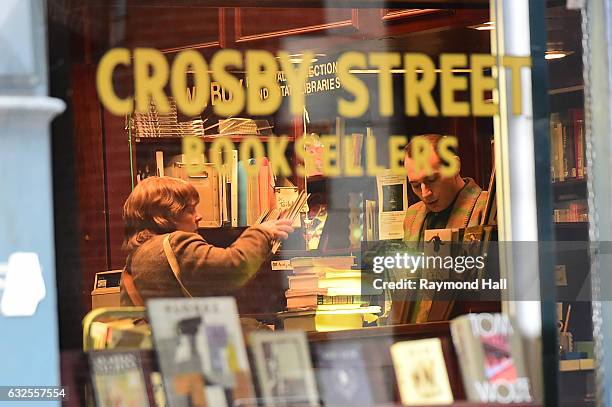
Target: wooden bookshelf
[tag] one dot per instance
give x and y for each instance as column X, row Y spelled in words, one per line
column 576, row 365
column 572, row 225
column 566, row 90
column 570, row 184
column 177, row 139
column 405, row 331
column 463, row 403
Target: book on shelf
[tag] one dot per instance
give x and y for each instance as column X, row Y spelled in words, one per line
column 201, row 351
column 299, row 299
column 356, row 217
column 323, row 271
column 343, row 377
column 328, row 320
column 577, row 131
column 421, row 373
column 118, row 379
column 571, row 211
column 242, row 194
column 208, row 183
column 236, row 198
column 121, row 333
column 260, row 196
column 304, row 264
column 314, row 223
column 392, row 205
column 234, row 189
column 155, row 124
column 283, row 367
column 285, row 197
column 556, row 133
column 348, row 281
column 567, row 145
column 239, row 127
column 491, row 359
column 370, row 221
column 325, row 293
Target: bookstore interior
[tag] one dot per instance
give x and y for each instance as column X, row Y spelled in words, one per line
column 323, row 204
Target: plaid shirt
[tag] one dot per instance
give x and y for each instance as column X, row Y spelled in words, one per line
column 467, row 211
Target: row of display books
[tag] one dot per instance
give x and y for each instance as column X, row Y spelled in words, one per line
column 234, row 196
column 571, row 211
column 203, row 361
column 567, row 146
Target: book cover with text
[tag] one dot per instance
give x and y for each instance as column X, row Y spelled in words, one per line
column 117, row 379
column 201, row 351
column 284, row 371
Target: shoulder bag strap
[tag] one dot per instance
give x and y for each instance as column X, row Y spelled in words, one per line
column 130, row 287
column 174, row 265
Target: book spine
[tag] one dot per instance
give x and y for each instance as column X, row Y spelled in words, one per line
column 242, row 195
column 159, row 162
column 567, row 165
column 342, row 299
column 570, row 147
column 580, row 149
column 576, row 122
column 234, row 189
column 558, row 138
column 460, row 333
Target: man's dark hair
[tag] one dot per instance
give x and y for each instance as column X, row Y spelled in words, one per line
column 433, row 139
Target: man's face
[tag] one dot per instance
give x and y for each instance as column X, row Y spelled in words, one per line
column 436, row 191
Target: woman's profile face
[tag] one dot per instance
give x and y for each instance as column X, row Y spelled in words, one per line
column 188, row 220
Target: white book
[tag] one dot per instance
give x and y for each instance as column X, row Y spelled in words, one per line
column 159, row 163
column 224, row 198
column 421, row 372
column 392, row 205
column 234, row 189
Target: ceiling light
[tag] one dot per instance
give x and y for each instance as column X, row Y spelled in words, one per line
column 376, row 71
column 488, row 26
column 556, row 54
column 297, row 58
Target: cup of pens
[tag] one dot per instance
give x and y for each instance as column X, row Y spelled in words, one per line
column 566, row 340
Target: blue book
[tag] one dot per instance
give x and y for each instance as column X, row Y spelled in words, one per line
column 242, row 195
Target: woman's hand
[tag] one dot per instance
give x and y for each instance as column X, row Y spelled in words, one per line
column 280, row 229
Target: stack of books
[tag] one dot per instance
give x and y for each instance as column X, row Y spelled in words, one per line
column 192, row 128
column 157, row 124
column 325, row 294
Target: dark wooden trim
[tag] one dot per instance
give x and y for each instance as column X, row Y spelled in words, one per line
column 118, row 184
column 203, row 45
column 445, row 20
column 414, row 4
column 87, row 39
column 388, row 15
column 240, row 38
column 90, row 177
column 227, row 35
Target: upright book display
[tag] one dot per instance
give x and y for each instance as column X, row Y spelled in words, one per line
column 421, row 372
column 284, row 370
column 118, row 379
column 201, row 351
column 491, row 359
